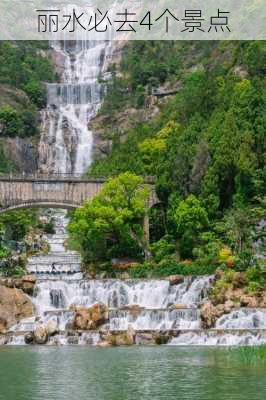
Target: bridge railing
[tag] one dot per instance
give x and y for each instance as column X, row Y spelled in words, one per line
column 50, row 177
column 61, row 177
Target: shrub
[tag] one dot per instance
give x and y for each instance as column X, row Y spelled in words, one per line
column 162, row 249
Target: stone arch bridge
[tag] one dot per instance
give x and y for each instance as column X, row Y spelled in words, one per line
column 57, row 191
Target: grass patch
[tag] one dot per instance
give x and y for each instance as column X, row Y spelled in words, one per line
column 249, row 355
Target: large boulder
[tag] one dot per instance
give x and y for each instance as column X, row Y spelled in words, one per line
column 176, row 279
column 52, row 327
column 134, row 309
column 14, row 306
column 26, row 283
column 144, row 339
column 90, row 318
column 121, row 338
column 40, row 334
column 249, row 301
column 3, row 340
column 29, row 338
column 208, row 315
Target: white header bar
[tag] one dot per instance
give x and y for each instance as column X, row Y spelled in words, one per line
column 133, row 20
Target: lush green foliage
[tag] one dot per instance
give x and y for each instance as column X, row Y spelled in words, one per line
column 24, row 67
column 14, row 226
column 169, row 267
column 5, row 163
column 206, row 146
column 18, row 223
column 110, row 225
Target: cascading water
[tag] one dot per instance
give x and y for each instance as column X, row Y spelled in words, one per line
column 141, row 305
column 66, row 141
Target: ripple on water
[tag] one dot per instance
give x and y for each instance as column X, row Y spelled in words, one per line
column 68, row 373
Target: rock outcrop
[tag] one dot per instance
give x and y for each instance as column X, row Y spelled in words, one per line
column 120, row 338
column 22, row 152
column 14, row 305
column 176, row 279
column 90, row 318
column 26, row 283
column 40, row 335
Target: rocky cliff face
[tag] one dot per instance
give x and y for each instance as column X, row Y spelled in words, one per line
column 22, row 153
column 14, row 305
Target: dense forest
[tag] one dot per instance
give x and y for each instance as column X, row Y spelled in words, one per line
column 24, row 68
column 205, row 147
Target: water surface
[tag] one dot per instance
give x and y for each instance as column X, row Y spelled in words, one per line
column 134, row 373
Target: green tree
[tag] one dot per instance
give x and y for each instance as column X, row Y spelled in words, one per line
column 12, row 125
column 112, row 223
column 190, row 220
column 18, row 223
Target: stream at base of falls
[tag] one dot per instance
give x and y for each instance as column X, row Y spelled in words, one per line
column 128, row 373
column 142, row 306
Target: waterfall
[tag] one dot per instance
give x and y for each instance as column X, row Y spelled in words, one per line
column 66, row 141
column 146, row 306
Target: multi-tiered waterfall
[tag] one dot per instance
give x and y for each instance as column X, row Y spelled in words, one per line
column 66, row 141
column 143, row 306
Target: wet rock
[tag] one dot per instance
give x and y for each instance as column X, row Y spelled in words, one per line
column 228, row 306
column 3, row 325
column 3, row 340
column 90, row 318
column 26, row 283
column 249, row 301
column 73, row 340
column 177, row 306
column 121, row 338
column 263, row 300
column 40, row 334
column 208, row 315
column 14, row 305
column 104, row 344
column 176, row 279
column 161, row 338
column 134, row 309
column 82, row 318
column 99, row 313
column 144, row 338
column 52, row 327
column 29, row 338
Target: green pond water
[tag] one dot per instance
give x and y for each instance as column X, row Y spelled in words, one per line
column 79, row 373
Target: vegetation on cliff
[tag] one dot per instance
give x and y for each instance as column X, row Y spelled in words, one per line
column 205, row 147
column 21, row 234
column 24, row 67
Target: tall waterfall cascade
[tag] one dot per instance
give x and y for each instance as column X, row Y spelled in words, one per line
column 66, row 141
column 143, row 306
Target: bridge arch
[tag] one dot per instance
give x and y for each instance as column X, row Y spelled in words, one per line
column 56, row 191
column 39, row 204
